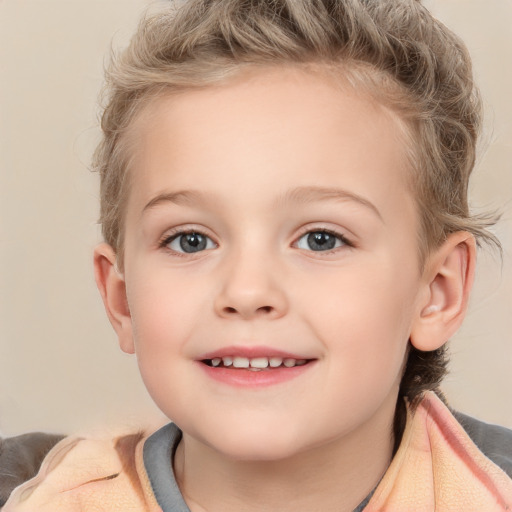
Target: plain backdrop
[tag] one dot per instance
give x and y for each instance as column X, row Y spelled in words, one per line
column 60, row 367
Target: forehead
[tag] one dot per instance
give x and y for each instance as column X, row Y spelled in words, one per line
column 264, row 132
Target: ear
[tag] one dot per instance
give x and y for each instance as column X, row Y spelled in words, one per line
column 448, row 278
column 112, row 287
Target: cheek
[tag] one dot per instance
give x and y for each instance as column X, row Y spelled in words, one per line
column 163, row 309
column 364, row 318
column 162, row 321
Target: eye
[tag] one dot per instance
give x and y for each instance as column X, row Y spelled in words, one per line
column 321, row 240
column 189, row 242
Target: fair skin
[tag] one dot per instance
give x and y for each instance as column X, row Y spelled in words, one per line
column 283, row 266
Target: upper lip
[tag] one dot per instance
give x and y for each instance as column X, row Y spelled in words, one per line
column 250, row 352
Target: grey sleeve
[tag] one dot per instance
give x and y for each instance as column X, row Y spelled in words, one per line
column 20, row 459
column 494, row 442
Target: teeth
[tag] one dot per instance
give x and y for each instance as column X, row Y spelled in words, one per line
column 241, row 362
column 259, row 362
column 256, row 363
column 275, row 362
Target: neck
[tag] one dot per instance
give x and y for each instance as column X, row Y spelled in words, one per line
column 334, row 477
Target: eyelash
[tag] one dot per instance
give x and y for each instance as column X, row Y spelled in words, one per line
column 168, row 238
column 344, row 240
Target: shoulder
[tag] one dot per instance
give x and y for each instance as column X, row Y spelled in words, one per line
column 80, row 473
column 439, row 466
column 494, row 442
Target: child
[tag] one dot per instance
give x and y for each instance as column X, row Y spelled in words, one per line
column 288, row 247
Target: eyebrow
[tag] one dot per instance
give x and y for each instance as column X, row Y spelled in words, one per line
column 298, row 195
column 305, row 195
column 179, row 197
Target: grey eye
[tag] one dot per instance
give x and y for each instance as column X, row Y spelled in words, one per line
column 190, row 242
column 320, row 241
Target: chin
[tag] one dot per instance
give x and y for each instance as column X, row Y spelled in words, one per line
column 264, row 444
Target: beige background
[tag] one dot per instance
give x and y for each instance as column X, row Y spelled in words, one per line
column 60, row 368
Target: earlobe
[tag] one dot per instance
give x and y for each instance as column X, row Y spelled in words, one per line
column 449, row 277
column 112, row 287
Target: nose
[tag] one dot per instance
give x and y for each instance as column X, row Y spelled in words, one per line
column 250, row 289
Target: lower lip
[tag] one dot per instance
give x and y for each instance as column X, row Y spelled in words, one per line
column 254, row 379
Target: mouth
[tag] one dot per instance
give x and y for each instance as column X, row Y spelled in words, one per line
column 255, row 364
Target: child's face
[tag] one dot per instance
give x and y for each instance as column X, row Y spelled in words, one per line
column 269, row 165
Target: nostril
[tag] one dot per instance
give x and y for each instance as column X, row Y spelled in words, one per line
column 263, row 309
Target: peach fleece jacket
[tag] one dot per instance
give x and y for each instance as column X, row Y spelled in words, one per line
column 436, row 468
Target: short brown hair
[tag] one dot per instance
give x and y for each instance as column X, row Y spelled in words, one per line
column 395, row 48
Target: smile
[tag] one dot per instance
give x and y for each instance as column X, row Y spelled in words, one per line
column 254, row 366
column 255, row 363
